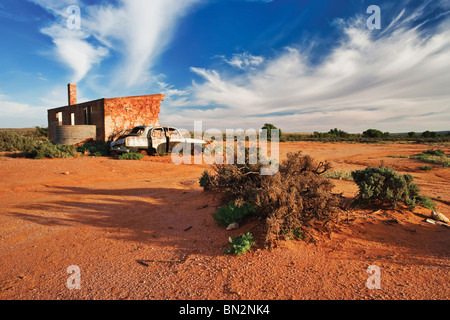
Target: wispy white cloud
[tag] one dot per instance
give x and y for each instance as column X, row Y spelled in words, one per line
column 139, row 30
column 72, row 49
column 395, row 82
column 244, row 60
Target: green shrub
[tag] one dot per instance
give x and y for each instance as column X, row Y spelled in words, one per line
column 47, row 149
column 385, row 185
column 425, row 202
column 241, row 244
column 434, row 156
column 432, row 152
column 232, row 213
column 13, row 142
column 34, row 148
column 131, row 156
column 41, row 132
column 373, row 133
column 338, row 133
column 205, row 181
column 297, row 195
column 429, row 134
column 426, row 168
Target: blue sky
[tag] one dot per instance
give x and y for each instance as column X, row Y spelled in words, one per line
column 302, row 65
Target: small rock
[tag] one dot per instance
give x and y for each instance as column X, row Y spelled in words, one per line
column 233, row 226
column 439, row 217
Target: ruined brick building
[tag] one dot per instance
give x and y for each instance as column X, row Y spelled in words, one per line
column 109, row 116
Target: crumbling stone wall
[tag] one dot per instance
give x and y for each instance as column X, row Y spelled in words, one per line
column 122, row 114
column 110, row 116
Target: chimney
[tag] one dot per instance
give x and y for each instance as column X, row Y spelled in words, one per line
column 72, row 93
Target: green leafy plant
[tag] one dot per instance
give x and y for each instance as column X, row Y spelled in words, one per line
column 241, row 244
column 131, row 156
column 232, row 213
column 385, row 185
column 426, row 168
column 426, row 202
column 205, row 181
column 434, row 156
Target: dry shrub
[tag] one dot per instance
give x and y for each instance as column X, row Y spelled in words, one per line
column 298, row 197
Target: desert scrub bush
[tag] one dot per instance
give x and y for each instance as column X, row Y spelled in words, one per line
column 432, row 152
column 204, row 180
column 298, row 195
column 46, row 149
column 34, row 148
column 41, row 132
column 434, row 156
column 426, row 168
column 131, row 156
column 339, row 175
column 374, row 133
column 241, row 244
column 232, row 213
column 10, row 141
column 385, row 185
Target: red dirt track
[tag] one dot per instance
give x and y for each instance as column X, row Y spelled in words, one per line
column 144, row 230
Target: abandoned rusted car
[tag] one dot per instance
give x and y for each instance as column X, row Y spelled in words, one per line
column 152, row 140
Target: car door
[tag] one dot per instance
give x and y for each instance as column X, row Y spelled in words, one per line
column 158, row 137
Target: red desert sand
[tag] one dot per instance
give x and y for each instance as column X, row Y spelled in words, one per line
column 144, row 230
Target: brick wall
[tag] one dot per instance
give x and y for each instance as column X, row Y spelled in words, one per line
column 94, row 110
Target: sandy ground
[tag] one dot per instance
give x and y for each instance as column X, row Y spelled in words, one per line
column 144, row 230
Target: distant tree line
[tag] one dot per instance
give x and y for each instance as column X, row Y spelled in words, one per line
column 368, row 136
